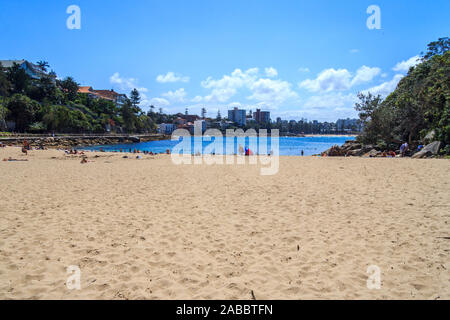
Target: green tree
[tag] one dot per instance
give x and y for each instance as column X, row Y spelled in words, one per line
column 43, row 65
column 419, row 104
column 376, row 119
column 128, row 116
column 45, row 90
column 70, row 88
column 135, row 97
column 22, row 110
column 3, row 113
column 5, row 85
column 438, row 47
column 18, row 78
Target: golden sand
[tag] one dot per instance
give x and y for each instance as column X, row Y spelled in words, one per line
column 148, row 229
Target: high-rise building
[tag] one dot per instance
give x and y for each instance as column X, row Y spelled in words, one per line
column 261, row 116
column 238, row 116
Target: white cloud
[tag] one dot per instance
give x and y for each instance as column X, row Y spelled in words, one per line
column 405, row 65
column 385, row 88
column 176, row 96
column 197, row 99
column 328, row 80
column 339, row 80
column 235, row 105
column 220, row 95
column 365, row 74
column 237, row 79
column 158, row 102
column 273, row 91
column 171, row 77
column 303, row 69
column 262, row 89
column 271, row 72
column 353, row 51
column 330, row 101
column 226, row 87
column 126, row 83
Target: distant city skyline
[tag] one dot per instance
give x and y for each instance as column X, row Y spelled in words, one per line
column 296, row 59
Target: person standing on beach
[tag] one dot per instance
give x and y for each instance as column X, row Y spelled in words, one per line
column 404, row 149
column 303, row 153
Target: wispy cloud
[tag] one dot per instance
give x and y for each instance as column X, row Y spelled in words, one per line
column 303, row 69
column 171, row 77
column 128, row 84
column 176, row 96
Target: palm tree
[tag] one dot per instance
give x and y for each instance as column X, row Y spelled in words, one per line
column 43, row 65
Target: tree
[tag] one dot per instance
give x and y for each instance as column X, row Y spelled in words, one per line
column 44, row 89
column 438, row 47
column 419, row 104
column 135, row 97
column 18, row 78
column 128, row 116
column 70, row 88
column 367, row 106
column 22, row 110
column 3, row 113
column 43, row 65
column 5, row 85
column 377, row 119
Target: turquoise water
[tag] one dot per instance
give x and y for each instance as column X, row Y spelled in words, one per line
column 288, row 146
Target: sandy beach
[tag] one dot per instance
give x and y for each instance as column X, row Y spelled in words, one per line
column 149, row 229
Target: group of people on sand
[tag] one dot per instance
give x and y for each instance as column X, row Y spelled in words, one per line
column 85, row 160
column 151, row 153
column 11, row 159
column 74, row 152
column 246, row 151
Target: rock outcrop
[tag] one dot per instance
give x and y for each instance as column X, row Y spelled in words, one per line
column 429, row 150
column 356, row 149
column 351, row 149
column 67, row 142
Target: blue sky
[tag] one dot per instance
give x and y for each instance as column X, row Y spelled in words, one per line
column 298, row 59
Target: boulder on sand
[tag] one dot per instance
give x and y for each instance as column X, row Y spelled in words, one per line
column 429, row 150
column 372, row 154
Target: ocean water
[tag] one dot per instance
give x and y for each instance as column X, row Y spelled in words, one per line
column 288, row 146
